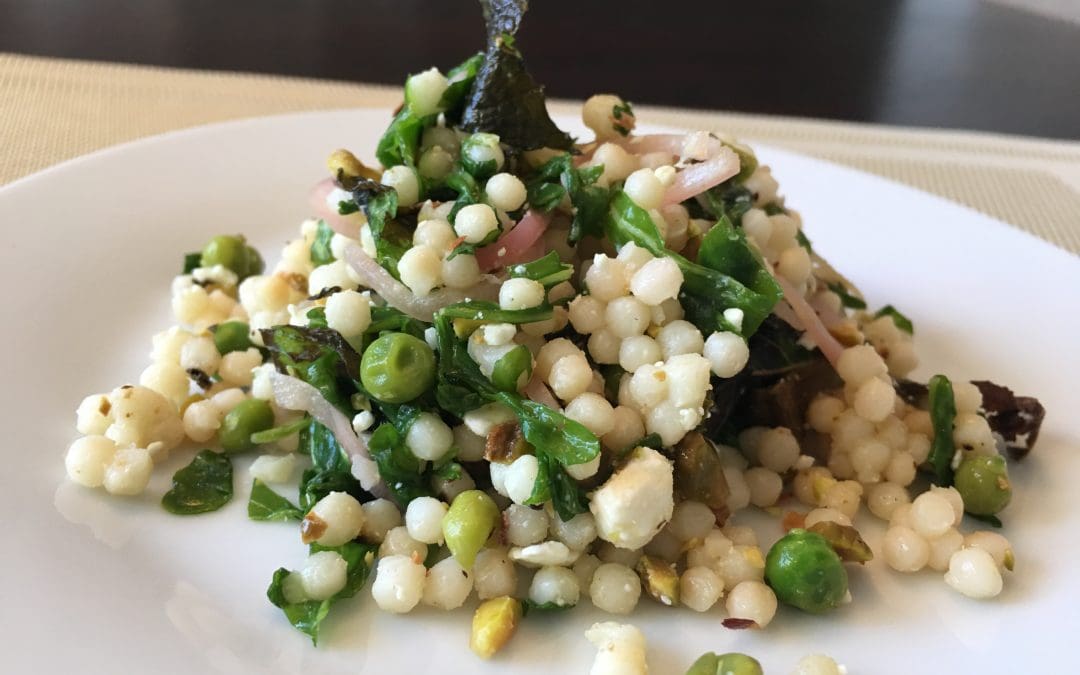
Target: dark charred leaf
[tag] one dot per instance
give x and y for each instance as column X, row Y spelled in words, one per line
column 845, row 540
column 200, row 378
column 325, row 293
column 1017, row 418
column 503, row 17
column 504, row 443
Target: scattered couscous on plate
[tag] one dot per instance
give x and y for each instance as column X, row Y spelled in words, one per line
column 541, row 370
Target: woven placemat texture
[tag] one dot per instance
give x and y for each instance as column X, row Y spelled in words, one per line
column 52, row 110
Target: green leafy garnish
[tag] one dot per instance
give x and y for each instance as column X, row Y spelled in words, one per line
column 331, row 468
column 267, row 505
column 559, row 177
column 529, row 605
column 320, row 248
column 318, row 356
column 901, row 321
column 557, row 441
column 846, row 298
column 942, row 416
column 307, row 616
column 206, row 484
column 504, row 99
column 549, row 270
column 400, row 469
column 278, row 433
column 617, row 112
column 192, row 262
column 707, row 291
column 380, row 205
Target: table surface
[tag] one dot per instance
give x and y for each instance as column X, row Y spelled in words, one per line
column 969, row 64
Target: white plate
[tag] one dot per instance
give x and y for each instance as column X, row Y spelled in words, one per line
column 105, row 585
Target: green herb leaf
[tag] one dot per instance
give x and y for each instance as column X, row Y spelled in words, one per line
column 942, row 416
column 331, row 468
column 318, row 356
column 308, row 616
column 192, row 262
column 386, row 318
column 267, row 505
column 279, row 433
column 846, row 298
column 508, row 370
column 206, row 484
column 901, row 321
column 401, row 471
column 320, row 248
column 549, row 270
column 557, row 178
column 706, row 292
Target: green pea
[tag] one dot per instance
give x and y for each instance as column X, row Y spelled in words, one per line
column 397, row 367
column 468, row 524
column 983, row 482
column 805, row 572
column 249, row 417
column 732, row 663
column 232, row 336
column 232, row 251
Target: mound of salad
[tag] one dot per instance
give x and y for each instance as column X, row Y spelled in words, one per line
column 543, row 371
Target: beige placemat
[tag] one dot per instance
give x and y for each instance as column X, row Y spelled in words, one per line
column 52, row 110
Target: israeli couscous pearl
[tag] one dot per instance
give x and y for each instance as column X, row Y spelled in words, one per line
column 324, row 574
column 520, row 293
column 691, row 520
column 475, row 222
column 585, row 568
column 680, row 337
column 845, row 496
column 738, row 491
column 869, row 458
column 398, row 541
column 505, row 191
column 423, row 519
column 817, row 664
column 617, row 162
column 332, row 275
column 461, row 271
column 638, row 350
column 470, row 446
column 627, row 428
column 883, row 498
column 993, row 543
column 577, row 533
column 765, row 486
column 436, row 233
column 794, row 264
column 236, row 367
column 201, row 421
column 614, row 588
column 620, row 649
column 645, row 189
column 942, row 549
column 167, row 379
column 88, row 459
column 555, row 585
column 448, row 585
column 778, row 449
column 606, row 278
column 520, row 478
column 129, row 472
column 931, row 515
column 570, row 376
column 525, row 525
column 874, row 399
column 349, row 313
column 905, row 550
column 425, row 91
column 604, row 346
column 405, row 182
column 593, row 411
column 399, row 584
column 429, row 437
column 727, row 353
column 337, row 519
column 494, row 575
column 421, row 269
column 380, row 516
column 972, row 432
column 973, row 572
column 201, row 354
column 700, row 588
column 598, row 115
column 586, row 314
column 752, row 600
column 859, row 364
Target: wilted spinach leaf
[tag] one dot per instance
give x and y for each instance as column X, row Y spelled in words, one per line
column 331, row 468
column 318, row 356
column 206, row 484
column 320, row 248
column 307, row 616
column 559, row 177
column 942, row 415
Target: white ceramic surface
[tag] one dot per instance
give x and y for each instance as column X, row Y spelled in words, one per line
column 94, row 584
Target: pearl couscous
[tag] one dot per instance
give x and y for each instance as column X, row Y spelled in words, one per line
column 547, row 373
